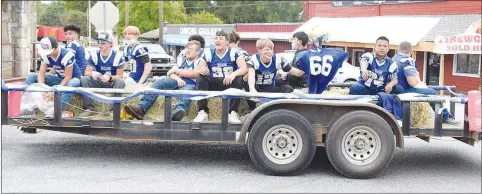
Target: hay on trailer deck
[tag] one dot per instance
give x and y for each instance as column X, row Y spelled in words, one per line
column 421, row 114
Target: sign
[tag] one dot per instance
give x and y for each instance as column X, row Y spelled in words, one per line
column 199, row 31
column 104, row 15
column 361, row 3
column 458, row 44
column 468, row 43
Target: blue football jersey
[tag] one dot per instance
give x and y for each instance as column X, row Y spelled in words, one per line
column 132, row 54
column 320, row 66
column 221, row 66
column 66, row 59
column 182, row 56
column 79, row 52
column 189, row 65
column 405, row 63
column 266, row 73
column 379, row 75
column 113, row 61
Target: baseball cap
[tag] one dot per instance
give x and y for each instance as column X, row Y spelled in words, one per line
column 47, row 45
column 104, row 37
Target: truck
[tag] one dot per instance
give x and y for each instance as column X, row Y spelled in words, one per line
column 281, row 134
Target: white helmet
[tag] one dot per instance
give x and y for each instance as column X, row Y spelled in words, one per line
column 318, row 36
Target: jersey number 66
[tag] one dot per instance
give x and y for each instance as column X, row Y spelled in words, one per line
column 324, row 68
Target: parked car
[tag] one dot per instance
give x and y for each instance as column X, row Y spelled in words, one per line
column 347, row 72
column 160, row 60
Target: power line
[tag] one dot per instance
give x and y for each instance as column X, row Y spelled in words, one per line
column 239, row 5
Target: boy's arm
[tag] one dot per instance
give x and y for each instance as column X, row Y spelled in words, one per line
column 41, row 73
column 252, row 79
column 67, row 75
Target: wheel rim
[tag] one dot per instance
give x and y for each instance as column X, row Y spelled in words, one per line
column 282, row 144
column 361, row 145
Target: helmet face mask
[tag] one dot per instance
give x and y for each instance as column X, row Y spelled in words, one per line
column 318, row 37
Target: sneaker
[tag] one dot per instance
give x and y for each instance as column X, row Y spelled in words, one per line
column 86, row 113
column 233, row 117
column 136, row 111
column 27, row 113
column 49, row 116
column 451, row 121
column 201, row 117
column 178, row 115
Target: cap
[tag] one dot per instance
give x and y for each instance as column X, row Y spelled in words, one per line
column 405, row 47
column 47, row 45
column 105, row 37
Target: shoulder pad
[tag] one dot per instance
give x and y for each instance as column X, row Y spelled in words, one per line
column 278, row 61
column 95, row 59
column 117, row 59
column 68, row 57
column 232, row 54
column 255, row 61
column 208, row 54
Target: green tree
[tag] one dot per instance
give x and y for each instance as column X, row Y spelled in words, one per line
column 49, row 14
column 75, row 17
column 145, row 14
column 204, row 18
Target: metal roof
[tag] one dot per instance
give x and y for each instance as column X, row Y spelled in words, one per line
column 368, row 29
column 451, row 25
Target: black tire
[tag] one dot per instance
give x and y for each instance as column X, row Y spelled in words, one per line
column 373, row 154
column 285, row 126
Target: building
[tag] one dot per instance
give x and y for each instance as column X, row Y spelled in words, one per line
column 279, row 33
column 419, row 22
column 176, row 35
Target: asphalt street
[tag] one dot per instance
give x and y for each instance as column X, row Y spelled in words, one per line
column 61, row 162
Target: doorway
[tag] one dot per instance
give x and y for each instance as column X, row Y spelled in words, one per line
column 433, row 68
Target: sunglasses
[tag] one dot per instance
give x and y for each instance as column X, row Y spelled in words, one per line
column 102, row 42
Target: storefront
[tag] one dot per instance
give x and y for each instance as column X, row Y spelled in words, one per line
column 178, row 34
column 279, row 33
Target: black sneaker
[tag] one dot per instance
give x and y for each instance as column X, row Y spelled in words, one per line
column 178, row 115
column 136, row 111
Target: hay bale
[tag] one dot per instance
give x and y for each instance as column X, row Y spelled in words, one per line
column 421, row 115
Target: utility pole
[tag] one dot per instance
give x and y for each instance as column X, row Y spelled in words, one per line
column 90, row 24
column 127, row 14
column 161, row 28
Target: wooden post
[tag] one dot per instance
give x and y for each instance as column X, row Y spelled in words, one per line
column 161, row 20
column 441, row 75
column 127, row 14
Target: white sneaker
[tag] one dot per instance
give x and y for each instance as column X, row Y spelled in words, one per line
column 201, row 117
column 233, row 117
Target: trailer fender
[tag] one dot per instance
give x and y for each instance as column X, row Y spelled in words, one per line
column 355, row 105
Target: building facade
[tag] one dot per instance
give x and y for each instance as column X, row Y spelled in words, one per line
column 454, row 17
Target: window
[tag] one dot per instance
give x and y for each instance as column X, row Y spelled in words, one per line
column 355, row 57
column 466, row 65
column 336, row 48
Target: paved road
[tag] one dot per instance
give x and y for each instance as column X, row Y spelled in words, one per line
column 60, row 162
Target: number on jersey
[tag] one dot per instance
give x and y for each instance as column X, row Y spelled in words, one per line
column 221, row 71
column 265, row 79
column 324, row 68
column 133, row 65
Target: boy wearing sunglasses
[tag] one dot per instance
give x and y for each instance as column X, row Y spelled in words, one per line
column 105, row 69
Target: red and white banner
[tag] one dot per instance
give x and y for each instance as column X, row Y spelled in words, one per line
column 468, row 43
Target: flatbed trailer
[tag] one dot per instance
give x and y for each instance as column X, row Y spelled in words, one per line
column 281, row 134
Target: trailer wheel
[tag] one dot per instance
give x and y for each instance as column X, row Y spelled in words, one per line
column 281, row 142
column 360, row 144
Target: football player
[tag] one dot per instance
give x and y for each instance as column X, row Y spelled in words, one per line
column 136, row 55
column 378, row 72
column 105, row 70
column 72, row 35
column 64, row 69
column 226, row 70
column 319, row 64
column 262, row 71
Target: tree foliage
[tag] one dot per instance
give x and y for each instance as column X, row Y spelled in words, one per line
column 204, row 18
column 49, row 14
